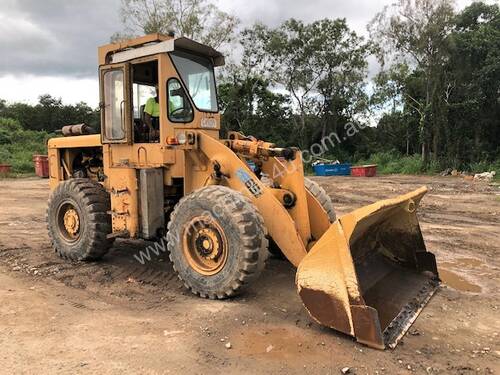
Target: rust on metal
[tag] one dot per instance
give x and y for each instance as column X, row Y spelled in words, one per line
column 205, row 245
column 370, row 274
column 71, row 222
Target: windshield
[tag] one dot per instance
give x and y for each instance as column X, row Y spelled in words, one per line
column 197, row 73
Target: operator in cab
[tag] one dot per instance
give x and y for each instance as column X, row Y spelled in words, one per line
column 176, row 108
column 152, row 117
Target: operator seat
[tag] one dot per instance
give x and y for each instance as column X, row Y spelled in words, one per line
column 140, row 128
column 141, row 113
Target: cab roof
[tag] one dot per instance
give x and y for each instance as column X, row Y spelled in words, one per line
column 152, row 44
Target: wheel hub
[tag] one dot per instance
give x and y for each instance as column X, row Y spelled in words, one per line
column 205, row 245
column 208, row 244
column 71, row 221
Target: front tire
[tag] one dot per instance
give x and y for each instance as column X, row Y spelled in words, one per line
column 217, row 242
column 77, row 220
column 323, row 198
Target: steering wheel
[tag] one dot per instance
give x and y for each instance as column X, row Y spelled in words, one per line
column 181, row 109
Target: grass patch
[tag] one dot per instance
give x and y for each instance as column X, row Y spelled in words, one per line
column 393, row 163
column 486, row 166
column 17, row 147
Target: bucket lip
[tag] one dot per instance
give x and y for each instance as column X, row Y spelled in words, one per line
column 5, row 165
column 401, row 323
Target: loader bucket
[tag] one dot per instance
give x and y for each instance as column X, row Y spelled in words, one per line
column 370, row 274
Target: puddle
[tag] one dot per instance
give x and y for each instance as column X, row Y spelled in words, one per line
column 458, row 282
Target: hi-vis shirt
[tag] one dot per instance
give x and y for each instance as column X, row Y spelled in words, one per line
column 152, row 108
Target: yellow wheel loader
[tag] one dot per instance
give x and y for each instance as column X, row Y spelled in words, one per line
column 159, row 170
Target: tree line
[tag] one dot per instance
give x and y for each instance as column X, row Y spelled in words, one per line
column 434, row 95
column 437, row 94
column 49, row 114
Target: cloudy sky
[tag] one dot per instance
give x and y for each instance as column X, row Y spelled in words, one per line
column 50, row 46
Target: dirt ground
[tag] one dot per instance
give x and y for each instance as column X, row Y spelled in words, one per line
column 118, row 315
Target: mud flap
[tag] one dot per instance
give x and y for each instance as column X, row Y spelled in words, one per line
column 370, row 274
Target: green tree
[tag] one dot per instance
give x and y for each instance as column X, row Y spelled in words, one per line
column 196, row 19
column 17, row 145
column 416, row 32
column 250, row 106
column 50, row 114
column 398, row 95
column 473, row 88
column 8, row 128
column 321, row 66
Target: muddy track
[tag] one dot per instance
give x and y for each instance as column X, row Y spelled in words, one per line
column 118, row 267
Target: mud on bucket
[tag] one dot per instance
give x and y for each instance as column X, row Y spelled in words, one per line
column 370, row 274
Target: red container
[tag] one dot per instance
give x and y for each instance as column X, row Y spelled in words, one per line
column 4, row 168
column 364, row 171
column 41, row 165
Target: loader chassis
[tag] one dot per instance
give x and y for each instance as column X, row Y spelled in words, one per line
column 172, row 176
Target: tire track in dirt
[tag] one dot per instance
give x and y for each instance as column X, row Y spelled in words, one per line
column 119, row 275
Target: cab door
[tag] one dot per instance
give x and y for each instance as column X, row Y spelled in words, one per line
column 116, row 112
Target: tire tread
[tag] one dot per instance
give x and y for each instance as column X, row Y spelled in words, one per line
column 252, row 232
column 96, row 202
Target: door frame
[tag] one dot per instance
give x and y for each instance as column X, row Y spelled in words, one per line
column 126, row 103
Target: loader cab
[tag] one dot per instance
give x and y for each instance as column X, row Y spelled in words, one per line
column 186, row 98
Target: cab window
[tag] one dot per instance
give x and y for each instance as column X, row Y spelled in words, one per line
column 179, row 107
column 114, row 102
column 197, row 73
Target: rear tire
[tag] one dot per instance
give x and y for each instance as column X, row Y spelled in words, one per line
column 217, row 242
column 77, row 220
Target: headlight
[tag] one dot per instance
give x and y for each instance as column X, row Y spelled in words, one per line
column 181, row 138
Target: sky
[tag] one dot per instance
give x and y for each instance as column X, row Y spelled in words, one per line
column 50, row 46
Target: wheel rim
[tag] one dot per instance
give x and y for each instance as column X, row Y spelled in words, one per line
column 205, row 245
column 68, row 222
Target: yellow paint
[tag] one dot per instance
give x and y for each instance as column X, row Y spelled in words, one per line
column 93, row 140
column 385, row 229
column 329, row 268
column 277, row 219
